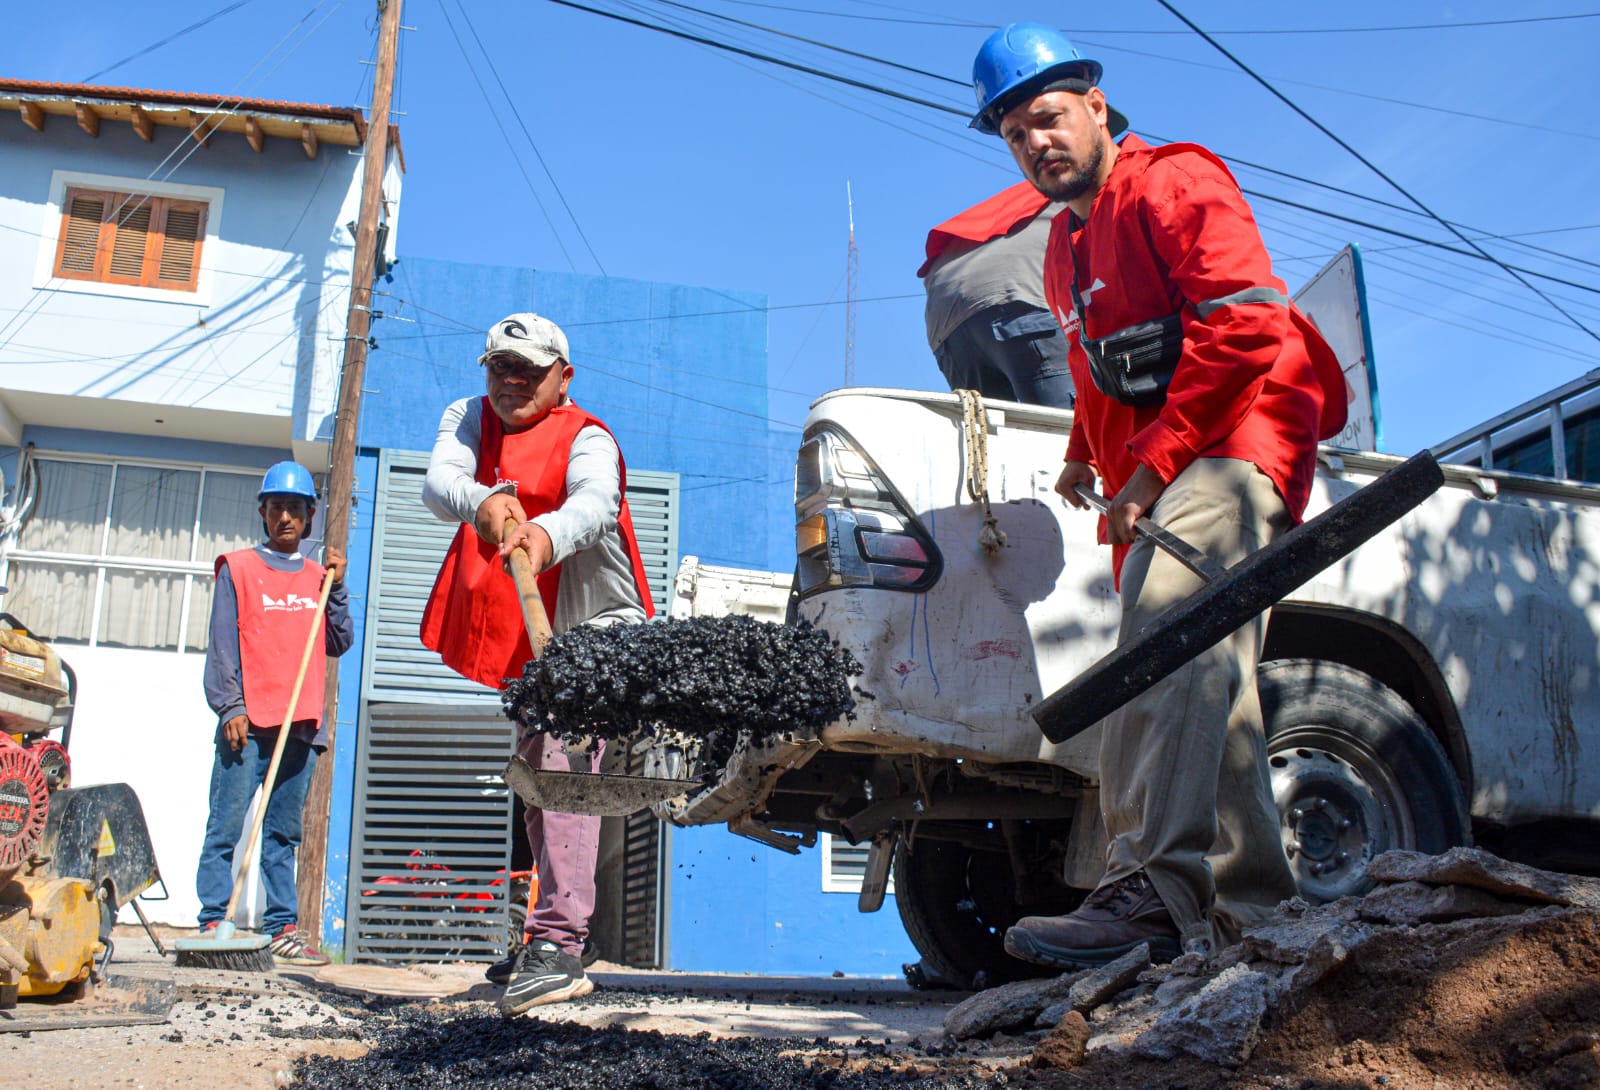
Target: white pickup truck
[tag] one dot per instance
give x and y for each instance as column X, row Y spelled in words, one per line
column 1434, row 688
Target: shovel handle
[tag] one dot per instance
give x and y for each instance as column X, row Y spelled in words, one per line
column 522, row 573
column 1179, row 549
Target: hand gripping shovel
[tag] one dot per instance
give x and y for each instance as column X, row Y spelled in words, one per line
column 1230, row 597
column 591, row 793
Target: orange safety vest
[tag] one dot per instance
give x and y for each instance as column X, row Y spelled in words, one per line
column 273, row 610
column 473, row 617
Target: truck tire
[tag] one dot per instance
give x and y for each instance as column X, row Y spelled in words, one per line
column 956, row 903
column 1355, row 773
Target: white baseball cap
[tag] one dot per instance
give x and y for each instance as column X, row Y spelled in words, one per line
column 537, row 340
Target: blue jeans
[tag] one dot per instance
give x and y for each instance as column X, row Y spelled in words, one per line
column 1012, row 351
column 234, row 779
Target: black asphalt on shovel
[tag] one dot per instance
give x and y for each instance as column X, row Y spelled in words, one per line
column 596, row 794
column 1232, row 596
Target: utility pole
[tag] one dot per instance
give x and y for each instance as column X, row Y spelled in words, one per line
column 313, row 855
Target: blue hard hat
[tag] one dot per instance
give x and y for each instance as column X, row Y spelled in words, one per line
column 288, row 479
column 1012, row 61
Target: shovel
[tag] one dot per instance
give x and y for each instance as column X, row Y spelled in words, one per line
column 1231, row 597
column 595, row 794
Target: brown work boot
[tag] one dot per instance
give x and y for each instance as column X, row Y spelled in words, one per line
column 1111, row 921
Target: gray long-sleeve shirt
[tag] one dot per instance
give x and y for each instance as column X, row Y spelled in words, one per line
column 597, row 582
column 224, row 676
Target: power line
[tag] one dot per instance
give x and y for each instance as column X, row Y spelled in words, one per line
column 769, row 58
column 194, row 137
column 1373, row 167
column 213, row 17
column 1351, row 92
column 495, row 117
column 510, row 102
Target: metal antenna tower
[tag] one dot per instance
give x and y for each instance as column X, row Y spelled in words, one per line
column 853, row 261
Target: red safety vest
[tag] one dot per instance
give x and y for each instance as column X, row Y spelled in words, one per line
column 275, row 609
column 1170, row 232
column 473, row 617
column 988, row 219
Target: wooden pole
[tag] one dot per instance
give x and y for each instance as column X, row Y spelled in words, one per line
column 313, row 856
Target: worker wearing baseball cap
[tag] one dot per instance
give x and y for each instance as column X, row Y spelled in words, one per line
column 524, row 451
column 260, row 602
column 1202, row 392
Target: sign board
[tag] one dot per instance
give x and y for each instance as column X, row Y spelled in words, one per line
column 1336, row 302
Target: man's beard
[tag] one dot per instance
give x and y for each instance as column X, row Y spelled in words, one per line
column 1074, row 185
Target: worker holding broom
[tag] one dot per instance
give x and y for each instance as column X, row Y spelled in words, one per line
column 525, row 454
column 1202, row 393
column 262, row 612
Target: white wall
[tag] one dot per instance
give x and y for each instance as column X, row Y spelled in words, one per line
column 142, row 720
column 263, row 338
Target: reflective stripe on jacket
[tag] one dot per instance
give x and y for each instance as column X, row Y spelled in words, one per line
column 1170, row 233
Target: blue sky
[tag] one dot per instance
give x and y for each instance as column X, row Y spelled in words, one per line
column 576, row 142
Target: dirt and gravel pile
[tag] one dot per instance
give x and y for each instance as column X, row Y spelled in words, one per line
column 1459, row 972
column 719, row 679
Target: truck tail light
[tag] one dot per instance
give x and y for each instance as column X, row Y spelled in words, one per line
column 851, row 527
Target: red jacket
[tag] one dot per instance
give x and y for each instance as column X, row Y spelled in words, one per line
column 474, row 617
column 1170, row 232
column 985, row 220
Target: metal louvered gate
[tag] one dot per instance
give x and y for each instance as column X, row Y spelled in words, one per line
column 432, row 837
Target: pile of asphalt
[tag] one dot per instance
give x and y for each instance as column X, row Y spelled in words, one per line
column 441, row 1046
column 721, row 679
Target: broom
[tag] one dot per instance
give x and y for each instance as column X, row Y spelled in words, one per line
column 224, row 947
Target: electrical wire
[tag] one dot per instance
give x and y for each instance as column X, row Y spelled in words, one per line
column 767, row 57
column 7, row 332
column 510, row 102
column 1373, row 166
column 875, row 89
column 506, row 137
column 213, row 17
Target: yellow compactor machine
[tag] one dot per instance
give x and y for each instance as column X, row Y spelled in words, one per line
column 70, row 858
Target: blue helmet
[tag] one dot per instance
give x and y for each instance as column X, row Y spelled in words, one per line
column 1017, row 61
column 288, row 479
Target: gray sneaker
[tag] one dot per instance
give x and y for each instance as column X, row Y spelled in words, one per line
column 544, row 974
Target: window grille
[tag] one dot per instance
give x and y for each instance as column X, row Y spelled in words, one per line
column 844, row 864
column 120, row 553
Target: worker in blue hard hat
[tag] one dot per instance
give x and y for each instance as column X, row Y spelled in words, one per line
column 260, row 606
column 1202, row 392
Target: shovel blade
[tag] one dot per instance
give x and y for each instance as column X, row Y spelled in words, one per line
column 592, row 793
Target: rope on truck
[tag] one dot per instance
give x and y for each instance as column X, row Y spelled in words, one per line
column 975, row 431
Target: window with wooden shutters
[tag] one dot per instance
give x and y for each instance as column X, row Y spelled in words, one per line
column 130, row 238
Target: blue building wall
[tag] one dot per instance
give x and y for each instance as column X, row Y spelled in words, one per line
column 680, row 376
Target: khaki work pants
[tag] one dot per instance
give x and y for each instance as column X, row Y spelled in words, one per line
column 1184, row 784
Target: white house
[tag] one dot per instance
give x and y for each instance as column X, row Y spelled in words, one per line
column 174, row 278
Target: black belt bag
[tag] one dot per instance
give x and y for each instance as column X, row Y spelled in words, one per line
column 1135, row 365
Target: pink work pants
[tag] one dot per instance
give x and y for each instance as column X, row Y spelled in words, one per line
column 564, row 848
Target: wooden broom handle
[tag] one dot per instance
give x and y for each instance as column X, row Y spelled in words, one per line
column 533, row 614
